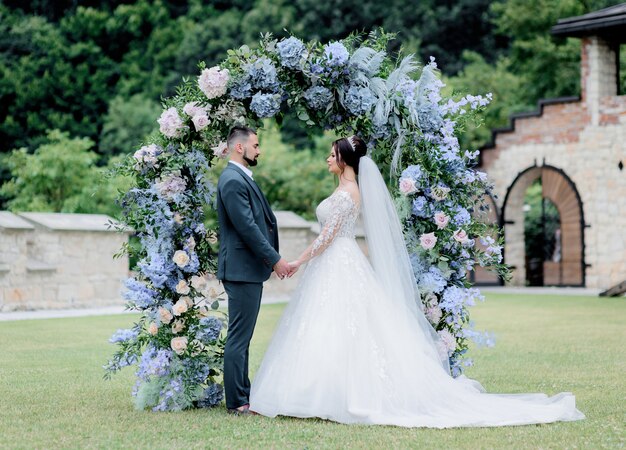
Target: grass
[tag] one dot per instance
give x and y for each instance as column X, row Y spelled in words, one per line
column 52, row 394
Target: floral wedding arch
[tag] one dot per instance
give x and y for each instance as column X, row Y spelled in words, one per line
column 352, row 87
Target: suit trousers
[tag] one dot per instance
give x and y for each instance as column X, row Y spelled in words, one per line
column 244, row 302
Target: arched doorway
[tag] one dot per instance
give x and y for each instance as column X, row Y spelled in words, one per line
column 556, row 255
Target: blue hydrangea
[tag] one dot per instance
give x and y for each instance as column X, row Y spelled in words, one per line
column 318, row 97
column 430, row 118
column 421, row 207
column 212, row 396
column 157, row 269
column 140, row 295
column 292, row 52
column 461, row 216
column 262, row 75
column 432, row 281
column 124, row 336
column 154, row 362
column 173, row 397
column 241, row 88
column 359, row 100
column 265, row 105
column 197, row 163
column 419, row 265
column 413, row 172
column 406, row 89
column 336, row 54
column 209, row 329
column 196, row 370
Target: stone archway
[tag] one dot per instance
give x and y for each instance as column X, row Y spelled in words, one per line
column 568, row 267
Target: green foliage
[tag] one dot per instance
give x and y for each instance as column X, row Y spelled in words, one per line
column 294, row 181
column 127, row 123
column 480, row 77
column 60, row 176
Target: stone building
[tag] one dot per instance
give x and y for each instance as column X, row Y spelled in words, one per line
column 50, row 260
column 576, row 148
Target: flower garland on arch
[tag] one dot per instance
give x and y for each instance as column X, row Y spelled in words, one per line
column 350, row 86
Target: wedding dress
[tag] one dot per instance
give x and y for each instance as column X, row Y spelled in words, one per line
column 352, row 345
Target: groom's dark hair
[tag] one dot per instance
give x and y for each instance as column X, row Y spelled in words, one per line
column 237, row 134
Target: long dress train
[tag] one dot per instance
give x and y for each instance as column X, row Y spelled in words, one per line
column 345, row 351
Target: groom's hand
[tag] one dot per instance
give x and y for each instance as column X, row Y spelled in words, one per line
column 282, row 268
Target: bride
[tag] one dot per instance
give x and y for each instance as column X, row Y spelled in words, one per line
column 353, row 345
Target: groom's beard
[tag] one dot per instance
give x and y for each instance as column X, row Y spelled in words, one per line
column 251, row 162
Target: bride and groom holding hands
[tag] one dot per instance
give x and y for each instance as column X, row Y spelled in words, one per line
column 352, row 346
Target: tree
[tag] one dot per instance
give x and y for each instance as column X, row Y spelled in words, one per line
column 127, row 123
column 60, row 176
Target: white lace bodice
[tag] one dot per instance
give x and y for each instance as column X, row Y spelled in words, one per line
column 337, row 216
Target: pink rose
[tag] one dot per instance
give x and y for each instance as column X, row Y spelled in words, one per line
column 179, row 344
column 441, row 219
column 428, row 240
column 192, row 109
column 178, row 326
column 433, row 314
column 182, row 287
column 200, row 121
column 407, row 186
column 153, row 329
column 165, row 315
column 180, row 307
column 460, row 236
column 221, row 151
column 448, row 340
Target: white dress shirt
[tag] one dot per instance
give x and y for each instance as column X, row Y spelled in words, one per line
column 244, row 168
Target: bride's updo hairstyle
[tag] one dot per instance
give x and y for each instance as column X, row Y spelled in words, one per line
column 348, row 152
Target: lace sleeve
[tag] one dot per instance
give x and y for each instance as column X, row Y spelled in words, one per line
column 341, row 205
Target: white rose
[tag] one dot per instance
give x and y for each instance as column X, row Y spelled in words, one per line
column 180, row 307
column 181, row 258
column 178, row 218
column 440, row 193
column 165, row 315
column 182, row 287
column 191, row 243
column 179, row 344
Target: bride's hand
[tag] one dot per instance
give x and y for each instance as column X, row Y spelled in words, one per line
column 293, row 267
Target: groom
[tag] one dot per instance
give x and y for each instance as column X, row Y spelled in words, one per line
column 248, row 254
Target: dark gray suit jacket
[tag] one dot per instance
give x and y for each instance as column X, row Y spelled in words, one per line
column 248, row 230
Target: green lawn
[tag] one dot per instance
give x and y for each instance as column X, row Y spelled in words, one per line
column 52, row 394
